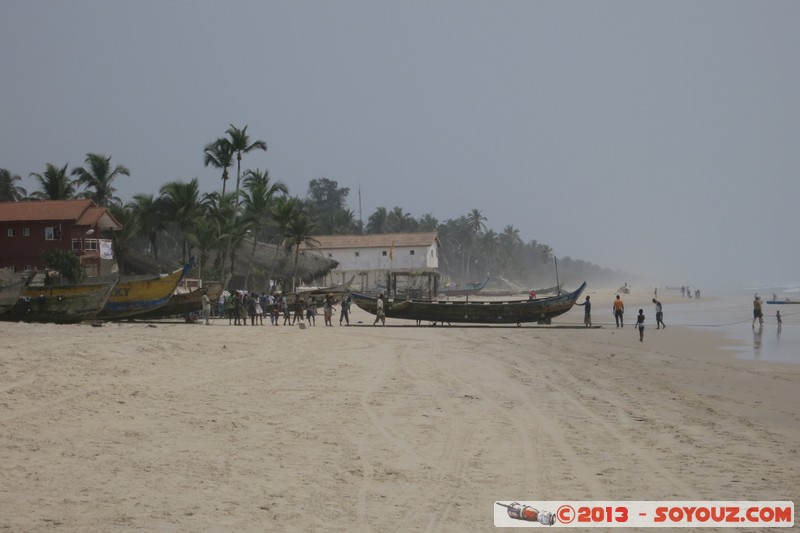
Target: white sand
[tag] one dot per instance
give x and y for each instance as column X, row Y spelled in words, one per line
column 191, row 428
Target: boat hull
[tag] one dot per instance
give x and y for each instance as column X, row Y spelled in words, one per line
column 61, row 304
column 133, row 298
column 12, row 286
column 188, row 302
column 474, row 312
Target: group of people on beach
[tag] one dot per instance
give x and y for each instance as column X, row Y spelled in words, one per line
column 618, row 310
column 240, row 305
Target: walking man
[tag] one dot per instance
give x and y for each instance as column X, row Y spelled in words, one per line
column 659, row 315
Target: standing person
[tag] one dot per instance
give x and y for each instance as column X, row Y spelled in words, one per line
column 299, row 308
column 229, row 307
column 587, row 312
column 780, row 320
column 263, row 303
column 251, row 308
column 345, row 313
column 237, row 310
column 206, row 308
column 619, row 309
column 221, row 305
column 379, row 312
column 276, row 310
column 640, row 324
column 311, row 312
column 287, row 316
column 757, row 314
column 659, row 315
column 327, row 308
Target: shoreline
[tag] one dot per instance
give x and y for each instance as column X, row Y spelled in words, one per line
column 191, row 428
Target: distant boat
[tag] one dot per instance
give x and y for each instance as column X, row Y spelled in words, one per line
column 184, row 303
column 474, row 312
column 131, row 298
column 467, row 289
column 782, row 302
column 61, row 304
column 12, row 285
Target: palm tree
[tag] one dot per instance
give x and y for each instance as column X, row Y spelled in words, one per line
column 510, row 244
column 55, row 184
column 120, row 239
column 99, row 176
column 474, row 220
column 258, row 201
column 9, row 192
column 397, row 220
column 221, row 208
column 377, row 221
column 240, row 144
column 284, row 211
column 298, row 232
column 428, row 222
column 489, row 242
column 219, row 154
column 150, row 217
column 206, row 237
column 181, row 202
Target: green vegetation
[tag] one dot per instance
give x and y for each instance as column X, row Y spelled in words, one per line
column 65, row 262
column 182, row 221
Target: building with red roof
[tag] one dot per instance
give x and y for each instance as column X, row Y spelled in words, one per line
column 29, row 228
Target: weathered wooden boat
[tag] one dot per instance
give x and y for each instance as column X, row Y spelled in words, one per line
column 184, row 303
column 474, row 312
column 61, row 304
column 467, row 289
column 12, row 285
column 134, row 297
column 782, row 302
column 319, row 293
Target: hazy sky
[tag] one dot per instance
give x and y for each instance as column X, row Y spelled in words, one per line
column 659, row 138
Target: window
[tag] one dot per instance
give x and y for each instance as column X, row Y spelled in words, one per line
column 383, row 253
column 26, row 232
column 411, row 252
column 76, row 244
column 50, row 233
column 11, row 232
column 357, row 254
column 90, row 244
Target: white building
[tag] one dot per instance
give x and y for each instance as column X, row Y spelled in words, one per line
column 368, row 257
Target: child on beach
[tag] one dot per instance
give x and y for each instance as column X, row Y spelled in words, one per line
column 640, row 324
column 780, row 320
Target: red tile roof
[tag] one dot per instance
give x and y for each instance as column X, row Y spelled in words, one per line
column 80, row 212
column 377, row 240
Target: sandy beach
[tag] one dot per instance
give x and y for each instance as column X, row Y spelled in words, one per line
column 167, row 426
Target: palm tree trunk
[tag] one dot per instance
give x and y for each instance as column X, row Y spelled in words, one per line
column 250, row 265
column 294, row 273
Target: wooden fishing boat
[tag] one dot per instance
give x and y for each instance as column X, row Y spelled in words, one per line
column 319, row 293
column 183, row 303
column 783, row 302
column 474, row 312
column 134, row 297
column 467, row 289
column 12, row 285
column 61, row 304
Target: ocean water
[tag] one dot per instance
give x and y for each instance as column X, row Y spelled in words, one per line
column 730, row 311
